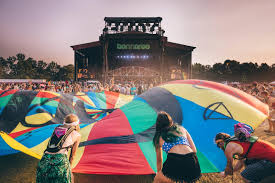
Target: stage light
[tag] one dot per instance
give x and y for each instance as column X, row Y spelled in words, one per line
column 143, row 29
column 152, row 28
column 114, row 28
column 129, row 28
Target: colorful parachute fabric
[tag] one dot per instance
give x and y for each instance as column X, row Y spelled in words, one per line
column 30, row 116
column 117, row 130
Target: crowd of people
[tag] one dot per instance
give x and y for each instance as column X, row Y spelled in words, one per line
column 265, row 92
column 74, row 87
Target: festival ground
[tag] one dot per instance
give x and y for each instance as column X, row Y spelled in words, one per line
column 21, row 168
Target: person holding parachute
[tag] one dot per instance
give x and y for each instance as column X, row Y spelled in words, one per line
column 182, row 163
column 55, row 166
column 258, row 156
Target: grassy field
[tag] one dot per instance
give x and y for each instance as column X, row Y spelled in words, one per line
column 21, row 168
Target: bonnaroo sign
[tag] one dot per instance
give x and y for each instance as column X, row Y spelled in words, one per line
column 133, row 46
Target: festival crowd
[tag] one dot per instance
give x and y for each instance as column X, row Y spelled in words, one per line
column 74, row 87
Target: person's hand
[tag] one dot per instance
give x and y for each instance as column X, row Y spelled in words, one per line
column 222, row 174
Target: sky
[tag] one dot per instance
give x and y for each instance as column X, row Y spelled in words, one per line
column 243, row 30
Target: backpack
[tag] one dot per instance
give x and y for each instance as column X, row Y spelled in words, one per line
column 58, row 138
column 242, row 132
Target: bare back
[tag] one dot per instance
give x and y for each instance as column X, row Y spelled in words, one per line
column 180, row 148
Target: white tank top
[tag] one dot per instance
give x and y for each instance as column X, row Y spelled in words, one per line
column 70, row 140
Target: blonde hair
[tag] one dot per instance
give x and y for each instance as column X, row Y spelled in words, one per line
column 70, row 118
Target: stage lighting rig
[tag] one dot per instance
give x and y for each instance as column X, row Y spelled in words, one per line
column 122, row 24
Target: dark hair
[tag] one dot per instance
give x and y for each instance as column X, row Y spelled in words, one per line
column 223, row 136
column 165, row 128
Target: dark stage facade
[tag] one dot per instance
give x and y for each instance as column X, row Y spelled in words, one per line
column 132, row 49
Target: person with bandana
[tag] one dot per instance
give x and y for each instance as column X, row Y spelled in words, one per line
column 55, row 166
column 258, row 157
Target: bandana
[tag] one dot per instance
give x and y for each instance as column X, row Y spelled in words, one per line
column 72, row 124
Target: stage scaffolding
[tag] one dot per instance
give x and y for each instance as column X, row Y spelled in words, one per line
column 132, row 48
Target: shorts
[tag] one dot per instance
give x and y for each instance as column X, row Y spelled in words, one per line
column 182, row 167
column 255, row 172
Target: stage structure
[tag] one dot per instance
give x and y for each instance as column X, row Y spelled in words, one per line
column 132, row 49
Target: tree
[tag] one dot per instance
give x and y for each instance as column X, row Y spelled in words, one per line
column 69, row 72
column 2, row 67
column 52, row 70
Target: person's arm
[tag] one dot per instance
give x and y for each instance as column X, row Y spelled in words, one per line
column 159, row 157
column 231, row 149
column 238, row 165
column 73, row 151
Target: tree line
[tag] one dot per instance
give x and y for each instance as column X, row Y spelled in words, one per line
column 234, row 71
column 21, row 67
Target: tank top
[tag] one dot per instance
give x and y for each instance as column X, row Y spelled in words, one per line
column 180, row 141
column 260, row 150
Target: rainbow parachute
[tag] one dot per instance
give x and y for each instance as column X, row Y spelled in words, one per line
column 117, row 130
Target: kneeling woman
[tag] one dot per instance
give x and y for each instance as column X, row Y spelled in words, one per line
column 55, row 166
column 182, row 163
